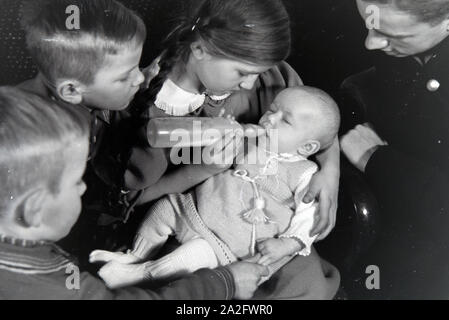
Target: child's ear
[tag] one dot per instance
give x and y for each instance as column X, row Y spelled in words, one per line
column 29, row 212
column 198, row 50
column 309, row 148
column 70, row 91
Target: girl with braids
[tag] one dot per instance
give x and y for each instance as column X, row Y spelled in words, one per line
column 227, row 59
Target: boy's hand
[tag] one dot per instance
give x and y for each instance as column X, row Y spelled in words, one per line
column 150, row 73
column 118, row 275
column 324, row 187
column 247, row 275
column 273, row 250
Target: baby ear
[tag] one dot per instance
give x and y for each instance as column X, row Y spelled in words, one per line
column 70, row 91
column 29, row 212
column 309, row 148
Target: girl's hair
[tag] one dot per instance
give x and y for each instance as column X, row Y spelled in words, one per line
column 251, row 31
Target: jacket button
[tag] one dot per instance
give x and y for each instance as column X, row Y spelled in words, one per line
column 433, row 85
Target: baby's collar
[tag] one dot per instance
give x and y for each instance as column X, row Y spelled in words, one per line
column 274, row 158
column 286, row 157
column 176, row 101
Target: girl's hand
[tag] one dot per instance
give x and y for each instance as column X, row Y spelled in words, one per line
column 220, row 155
column 324, row 187
column 150, row 73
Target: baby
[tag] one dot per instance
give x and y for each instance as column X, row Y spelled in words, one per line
column 250, row 208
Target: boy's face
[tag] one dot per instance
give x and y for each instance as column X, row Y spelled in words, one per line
column 117, row 81
column 283, row 116
column 62, row 210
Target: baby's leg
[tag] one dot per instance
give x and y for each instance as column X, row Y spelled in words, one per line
column 124, row 269
column 193, row 255
column 189, row 257
column 160, row 223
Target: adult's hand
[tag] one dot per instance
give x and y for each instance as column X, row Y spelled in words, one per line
column 359, row 144
column 247, row 275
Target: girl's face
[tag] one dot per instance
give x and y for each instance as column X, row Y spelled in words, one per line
column 220, row 75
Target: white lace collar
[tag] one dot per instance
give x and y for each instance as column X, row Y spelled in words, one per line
column 176, row 101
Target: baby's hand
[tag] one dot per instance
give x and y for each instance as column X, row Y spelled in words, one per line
column 273, row 250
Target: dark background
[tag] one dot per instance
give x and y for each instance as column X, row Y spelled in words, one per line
column 328, row 38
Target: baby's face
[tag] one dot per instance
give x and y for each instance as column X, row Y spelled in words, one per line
column 286, row 122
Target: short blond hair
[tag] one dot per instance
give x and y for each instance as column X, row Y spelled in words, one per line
column 36, row 136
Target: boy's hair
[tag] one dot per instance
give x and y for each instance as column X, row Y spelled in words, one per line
column 251, row 31
column 106, row 27
column 429, row 11
column 36, row 137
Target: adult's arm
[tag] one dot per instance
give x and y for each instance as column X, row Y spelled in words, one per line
column 404, row 186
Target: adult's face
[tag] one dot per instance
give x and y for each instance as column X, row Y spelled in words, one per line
column 401, row 34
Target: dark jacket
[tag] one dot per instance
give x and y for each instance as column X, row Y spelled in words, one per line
column 42, row 271
column 410, row 176
column 105, row 203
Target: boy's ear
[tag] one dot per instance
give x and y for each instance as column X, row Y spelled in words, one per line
column 29, row 212
column 198, row 50
column 70, row 91
column 309, row 148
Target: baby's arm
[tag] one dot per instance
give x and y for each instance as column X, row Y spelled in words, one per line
column 296, row 239
column 274, row 249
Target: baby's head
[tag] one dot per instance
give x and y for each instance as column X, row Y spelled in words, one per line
column 95, row 62
column 306, row 120
column 44, row 152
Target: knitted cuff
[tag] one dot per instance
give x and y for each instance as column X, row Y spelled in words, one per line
column 228, row 279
